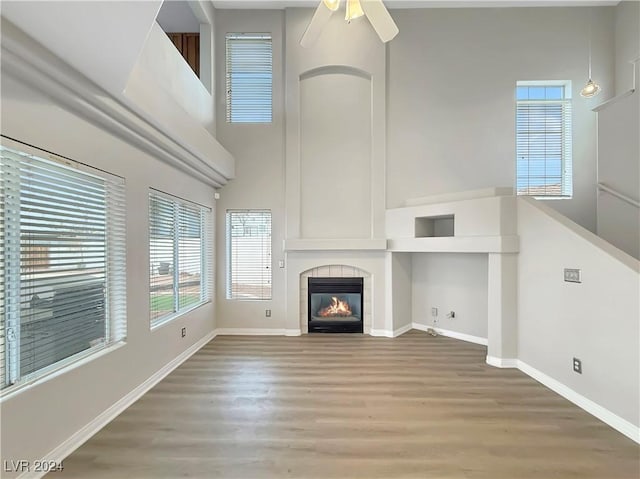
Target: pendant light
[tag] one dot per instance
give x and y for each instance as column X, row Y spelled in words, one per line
column 591, row 88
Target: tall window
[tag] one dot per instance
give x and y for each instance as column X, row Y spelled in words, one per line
column 179, row 256
column 248, row 254
column 543, row 139
column 62, row 263
column 249, row 77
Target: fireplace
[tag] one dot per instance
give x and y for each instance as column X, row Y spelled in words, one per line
column 335, row 305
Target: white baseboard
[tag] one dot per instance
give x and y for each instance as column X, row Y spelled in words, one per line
column 81, row 436
column 293, row 332
column 452, row 334
column 402, row 330
column 253, row 332
column 386, row 333
column 619, row 424
column 420, row 327
column 502, row 362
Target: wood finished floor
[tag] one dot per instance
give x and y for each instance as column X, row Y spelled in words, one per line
column 351, row 406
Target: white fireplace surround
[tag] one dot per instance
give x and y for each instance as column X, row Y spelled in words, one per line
column 335, row 271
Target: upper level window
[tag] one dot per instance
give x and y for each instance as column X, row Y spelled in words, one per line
column 248, row 254
column 179, row 256
column 543, row 139
column 249, row 77
column 62, row 263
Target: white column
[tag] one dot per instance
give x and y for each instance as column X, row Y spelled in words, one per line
column 502, row 349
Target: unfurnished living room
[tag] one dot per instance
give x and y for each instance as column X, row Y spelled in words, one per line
column 317, row 239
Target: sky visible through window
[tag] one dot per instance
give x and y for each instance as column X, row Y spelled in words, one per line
column 540, row 135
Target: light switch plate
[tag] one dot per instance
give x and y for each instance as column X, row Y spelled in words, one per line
column 572, row 275
column 281, row 263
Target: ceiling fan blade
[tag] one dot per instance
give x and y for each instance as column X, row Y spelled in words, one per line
column 380, row 19
column 318, row 21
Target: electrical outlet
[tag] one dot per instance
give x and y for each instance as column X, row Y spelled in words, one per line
column 267, row 313
column 577, row 365
column 281, row 263
column 434, row 311
column 572, row 275
column 184, row 332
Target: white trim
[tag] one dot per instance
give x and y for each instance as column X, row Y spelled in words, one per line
column 613, row 100
column 252, row 332
column 402, row 330
column 451, row 334
column 387, row 333
column 420, row 326
column 502, row 362
column 58, row 454
column 462, row 336
column 292, row 332
column 619, row 424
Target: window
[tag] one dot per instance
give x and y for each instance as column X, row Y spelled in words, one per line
column 179, row 256
column 543, row 139
column 249, row 77
column 62, row 264
column 248, row 254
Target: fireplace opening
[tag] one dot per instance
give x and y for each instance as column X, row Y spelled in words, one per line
column 335, row 305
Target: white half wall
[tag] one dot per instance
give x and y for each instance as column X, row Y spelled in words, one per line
column 596, row 321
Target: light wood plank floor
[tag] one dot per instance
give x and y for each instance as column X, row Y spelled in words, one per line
column 351, row 406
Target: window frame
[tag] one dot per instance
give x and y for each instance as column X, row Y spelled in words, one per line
column 206, row 257
column 230, row 255
column 566, row 178
column 238, row 36
column 115, row 327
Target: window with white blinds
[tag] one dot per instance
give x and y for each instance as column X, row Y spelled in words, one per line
column 543, row 139
column 248, row 254
column 62, row 264
column 179, row 256
column 249, row 77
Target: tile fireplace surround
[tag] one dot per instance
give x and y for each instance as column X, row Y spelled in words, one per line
column 369, row 265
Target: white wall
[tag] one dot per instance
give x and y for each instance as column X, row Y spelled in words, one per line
column 40, row 418
column 451, row 282
column 597, row 321
column 442, row 136
column 451, row 81
column 627, row 43
column 259, row 183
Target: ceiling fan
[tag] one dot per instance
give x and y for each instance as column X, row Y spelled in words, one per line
column 374, row 10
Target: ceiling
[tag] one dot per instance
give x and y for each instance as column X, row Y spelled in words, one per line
column 280, row 4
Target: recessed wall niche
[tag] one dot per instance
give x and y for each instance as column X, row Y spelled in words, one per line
column 434, row 226
column 335, row 153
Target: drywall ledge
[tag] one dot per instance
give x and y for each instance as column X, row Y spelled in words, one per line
column 335, row 244
column 456, row 244
column 460, row 196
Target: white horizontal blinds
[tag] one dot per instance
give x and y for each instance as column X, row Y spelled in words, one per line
column 249, row 254
column 162, row 256
column 249, row 77
column 190, row 258
column 58, row 302
column 116, row 259
column 178, row 252
column 543, row 141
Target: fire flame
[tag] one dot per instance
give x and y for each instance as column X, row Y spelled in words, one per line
column 336, row 308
